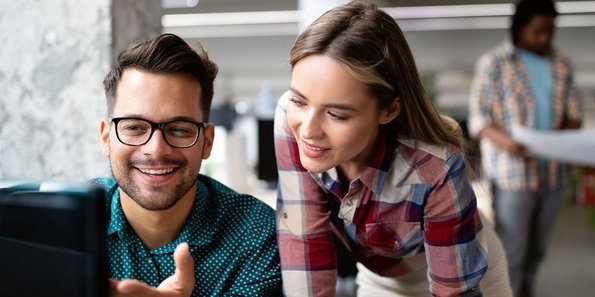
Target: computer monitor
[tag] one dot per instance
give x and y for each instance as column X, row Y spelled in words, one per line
column 267, row 164
column 52, row 241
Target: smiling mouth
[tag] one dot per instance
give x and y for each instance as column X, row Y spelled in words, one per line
column 314, row 148
column 156, row 171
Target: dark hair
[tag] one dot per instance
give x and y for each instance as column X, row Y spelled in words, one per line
column 166, row 53
column 525, row 11
column 373, row 48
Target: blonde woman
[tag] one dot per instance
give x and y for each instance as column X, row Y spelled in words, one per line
column 364, row 156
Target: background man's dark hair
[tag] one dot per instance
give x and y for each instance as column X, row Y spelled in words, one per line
column 166, row 53
column 526, row 10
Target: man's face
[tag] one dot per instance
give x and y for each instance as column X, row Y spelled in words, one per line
column 156, row 175
column 537, row 35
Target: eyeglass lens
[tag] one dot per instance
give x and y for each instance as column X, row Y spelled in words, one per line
column 138, row 132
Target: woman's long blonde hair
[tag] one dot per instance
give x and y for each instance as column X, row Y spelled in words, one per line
column 372, row 46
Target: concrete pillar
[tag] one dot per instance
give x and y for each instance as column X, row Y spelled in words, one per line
column 134, row 20
column 310, row 10
column 53, row 59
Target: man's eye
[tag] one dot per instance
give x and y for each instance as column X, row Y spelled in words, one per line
column 180, row 131
column 133, row 129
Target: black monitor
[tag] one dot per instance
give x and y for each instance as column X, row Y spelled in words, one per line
column 52, row 241
column 267, row 164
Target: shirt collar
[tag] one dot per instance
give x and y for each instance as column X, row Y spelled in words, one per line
column 118, row 225
column 373, row 176
column 195, row 234
column 513, row 52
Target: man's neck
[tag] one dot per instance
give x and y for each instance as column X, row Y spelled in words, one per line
column 157, row 228
column 545, row 53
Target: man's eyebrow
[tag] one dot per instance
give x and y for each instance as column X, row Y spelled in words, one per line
column 341, row 106
column 182, row 118
column 176, row 118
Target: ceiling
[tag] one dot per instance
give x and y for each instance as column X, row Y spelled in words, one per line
column 252, row 45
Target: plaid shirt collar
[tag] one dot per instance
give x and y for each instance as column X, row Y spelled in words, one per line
column 373, row 176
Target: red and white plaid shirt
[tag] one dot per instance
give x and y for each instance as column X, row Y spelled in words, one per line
column 413, row 202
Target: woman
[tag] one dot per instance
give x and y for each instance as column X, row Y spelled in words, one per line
column 363, row 154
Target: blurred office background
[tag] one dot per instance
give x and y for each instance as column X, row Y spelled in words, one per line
column 55, row 53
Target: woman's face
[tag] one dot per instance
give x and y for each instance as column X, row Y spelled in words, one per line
column 333, row 117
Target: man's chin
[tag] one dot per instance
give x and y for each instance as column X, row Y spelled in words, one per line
column 155, row 202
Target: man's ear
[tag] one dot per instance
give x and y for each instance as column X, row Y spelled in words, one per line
column 104, row 129
column 209, row 136
column 390, row 113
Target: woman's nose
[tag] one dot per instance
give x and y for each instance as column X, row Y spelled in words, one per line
column 310, row 127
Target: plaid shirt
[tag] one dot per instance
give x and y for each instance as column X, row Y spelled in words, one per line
column 501, row 96
column 413, row 203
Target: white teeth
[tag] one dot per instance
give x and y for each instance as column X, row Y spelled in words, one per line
column 314, row 148
column 156, row 171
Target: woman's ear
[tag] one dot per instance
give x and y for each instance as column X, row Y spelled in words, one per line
column 390, row 113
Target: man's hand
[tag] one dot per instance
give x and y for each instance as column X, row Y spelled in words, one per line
column 514, row 147
column 503, row 141
column 180, row 284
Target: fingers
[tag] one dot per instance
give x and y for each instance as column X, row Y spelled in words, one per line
column 132, row 286
column 181, row 283
column 113, row 283
column 184, row 264
column 514, row 147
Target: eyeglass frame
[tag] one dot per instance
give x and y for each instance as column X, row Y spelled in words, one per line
column 160, row 126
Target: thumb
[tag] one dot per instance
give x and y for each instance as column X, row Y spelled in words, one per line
column 184, row 263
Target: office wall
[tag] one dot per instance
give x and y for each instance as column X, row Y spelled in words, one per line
column 53, row 57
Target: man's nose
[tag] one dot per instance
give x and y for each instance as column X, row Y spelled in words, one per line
column 156, row 144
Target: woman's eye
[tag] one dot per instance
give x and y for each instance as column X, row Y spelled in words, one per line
column 296, row 101
column 337, row 117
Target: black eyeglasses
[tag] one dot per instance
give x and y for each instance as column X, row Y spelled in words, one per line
column 136, row 131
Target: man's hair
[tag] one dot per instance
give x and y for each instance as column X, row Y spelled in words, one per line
column 166, row 53
column 526, row 10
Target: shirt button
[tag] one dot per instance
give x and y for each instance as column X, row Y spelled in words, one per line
column 349, row 203
column 285, row 215
column 397, row 244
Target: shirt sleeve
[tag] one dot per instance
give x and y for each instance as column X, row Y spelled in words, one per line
column 573, row 109
column 260, row 273
column 456, row 259
column 303, row 226
column 483, row 94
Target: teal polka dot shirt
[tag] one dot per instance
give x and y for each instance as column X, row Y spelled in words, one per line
column 231, row 236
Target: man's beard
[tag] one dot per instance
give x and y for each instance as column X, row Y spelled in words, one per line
column 161, row 198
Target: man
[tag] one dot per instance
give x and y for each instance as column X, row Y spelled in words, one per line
column 159, row 97
column 525, row 83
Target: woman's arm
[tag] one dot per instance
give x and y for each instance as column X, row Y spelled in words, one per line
column 456, row 261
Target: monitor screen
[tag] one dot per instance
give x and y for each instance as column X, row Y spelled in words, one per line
column 52, row 242
column 267, row 164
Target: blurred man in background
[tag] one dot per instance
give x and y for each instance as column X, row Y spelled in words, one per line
column 523, row 82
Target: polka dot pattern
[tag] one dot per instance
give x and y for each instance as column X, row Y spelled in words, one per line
column 231, row 236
